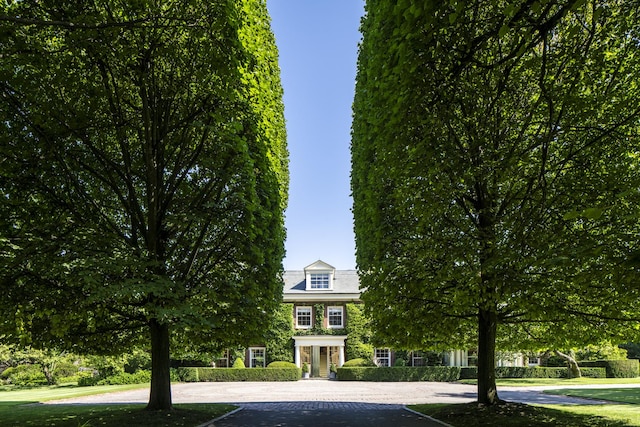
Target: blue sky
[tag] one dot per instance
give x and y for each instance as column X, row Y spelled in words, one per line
column 318, row 46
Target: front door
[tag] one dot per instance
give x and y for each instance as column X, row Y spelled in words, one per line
column 324, row 363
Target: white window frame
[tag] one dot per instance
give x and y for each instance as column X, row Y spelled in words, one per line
column 382, row 356
column 253, row 356
column 305, row 308
column 336, row 308
column 320, row 281
column 418, row 355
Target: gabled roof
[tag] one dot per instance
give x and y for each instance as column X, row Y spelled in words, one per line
column 346, row 285
column 319, row 265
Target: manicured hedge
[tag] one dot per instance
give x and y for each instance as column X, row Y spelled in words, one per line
column 231, row 374
column 400, row 373
column 471, row 372
column 623, row 368
column 139, row 377
column 358, row 363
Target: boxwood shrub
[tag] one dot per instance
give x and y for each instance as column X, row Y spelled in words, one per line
column 231, row 374
column 471, row 372
column 400, row 373
column 281, row 364
column 358, row 362
column 139, row 377
column 623, row 368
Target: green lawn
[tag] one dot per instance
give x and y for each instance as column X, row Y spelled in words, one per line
column 529, row 382
column 521, row 415
column 622, row 395
column 22, row 407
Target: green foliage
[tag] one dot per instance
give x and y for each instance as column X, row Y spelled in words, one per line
column 358, row 343
column 633, row 350
column 358, row 362
column 25, row 375
column 230, row 374
column 494, row 178
column 626, row 368
column 137, row 360
column 282, row 364
column 139, row 377
column 144, row 175
column 238, row 363
column 278, row 342
column 65, row 369
column 424, row 373
column 606, row 351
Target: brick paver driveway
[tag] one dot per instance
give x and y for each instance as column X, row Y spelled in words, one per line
column 314, row 403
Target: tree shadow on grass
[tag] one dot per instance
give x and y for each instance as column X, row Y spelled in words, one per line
column 107, row 415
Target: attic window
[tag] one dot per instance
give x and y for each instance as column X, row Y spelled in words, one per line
column 319, row 281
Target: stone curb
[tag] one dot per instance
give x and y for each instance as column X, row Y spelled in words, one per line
column 442, row 423
column 221, row 417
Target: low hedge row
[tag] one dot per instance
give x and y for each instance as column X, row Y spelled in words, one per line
column 231, row 374
column 451, row 373
column 139, row 377
column 400, row 373
column 471, row 372
column 623, row 368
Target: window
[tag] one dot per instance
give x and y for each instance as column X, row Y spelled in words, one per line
column 383, row 357
column 256, row 357
column 418, row 358
column 223, row 360
column 335, row 317
column 303, row 317
column 319, row 280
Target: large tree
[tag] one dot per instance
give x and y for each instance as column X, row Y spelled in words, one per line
column 143, row 174
column 494, row 153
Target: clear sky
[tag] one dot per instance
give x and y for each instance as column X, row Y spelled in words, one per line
column 318, row 46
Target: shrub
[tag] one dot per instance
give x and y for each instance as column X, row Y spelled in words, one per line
column 624, row 368
column 139, row 377
column 65, row 369
column 238, row 363
column 231, row 374
column 471, row 372
column 423, row 373
column 282, row 364
column 468, row 372
column 25, row 375
column 359, row 362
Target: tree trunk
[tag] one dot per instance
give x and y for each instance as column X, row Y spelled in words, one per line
column 160, row 395
column 487, row 330
column 574, row 369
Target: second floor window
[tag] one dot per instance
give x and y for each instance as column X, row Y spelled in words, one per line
column 303, row 317
column 334, row 314
column 319, row 280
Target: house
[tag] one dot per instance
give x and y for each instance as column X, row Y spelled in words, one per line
column 318, row 298
column 320, row 287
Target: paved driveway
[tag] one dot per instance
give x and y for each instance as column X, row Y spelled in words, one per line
column 315, row 403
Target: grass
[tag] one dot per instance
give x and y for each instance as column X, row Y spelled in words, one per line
column 521, row 415
column 529, row 382
column 622, row 395
column 22, row 407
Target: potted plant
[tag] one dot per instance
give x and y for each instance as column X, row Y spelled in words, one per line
column 333, row 371
column 305, row 370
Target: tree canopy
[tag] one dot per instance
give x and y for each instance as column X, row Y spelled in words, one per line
column 144, row 174
column 494, row 173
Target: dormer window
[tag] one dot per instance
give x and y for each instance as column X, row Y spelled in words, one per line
column 319, row 276
column 319, row 281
